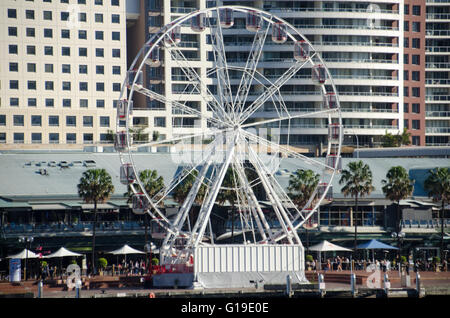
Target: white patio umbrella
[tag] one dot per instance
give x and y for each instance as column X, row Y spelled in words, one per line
column 23, row 255
column 326, row 246
column 125, row 250
column 62, row 252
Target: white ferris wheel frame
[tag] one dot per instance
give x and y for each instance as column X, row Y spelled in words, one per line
column 294, row 35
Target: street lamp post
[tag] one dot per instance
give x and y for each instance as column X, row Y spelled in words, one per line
column 400, row 236
column 27, row 240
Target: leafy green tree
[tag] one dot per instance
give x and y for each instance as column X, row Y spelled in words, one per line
column 397, row 186
column 357, row 180
column 390, row 140
column 95, row 187
column 228, row 193
column 438, row 186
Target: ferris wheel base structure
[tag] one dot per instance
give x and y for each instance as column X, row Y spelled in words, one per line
column 239, row 266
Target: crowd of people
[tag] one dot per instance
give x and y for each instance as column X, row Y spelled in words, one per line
column 344, row 263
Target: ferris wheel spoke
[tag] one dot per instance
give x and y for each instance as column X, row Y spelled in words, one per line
column 275, row 87
column 178, row 105
column 251, row 64
column 223, row 78
column 264, row 142
column 197, row 82
column 290, row 117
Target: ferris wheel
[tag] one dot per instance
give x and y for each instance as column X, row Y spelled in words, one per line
column 238, row 143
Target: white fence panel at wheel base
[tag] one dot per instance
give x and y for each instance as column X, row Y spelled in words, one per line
column 248, row 258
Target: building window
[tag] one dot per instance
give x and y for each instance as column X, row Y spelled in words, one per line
column 99, row 52
column 416, row 26
column 2, row 120
column 13, row 84
column 84, row 103
column 66, row 86
column 65, row 51
column 48, row 50
column 99, row 18
column 99, row 35
column 67, row 102
column 12, row 49
column 88, row 121
column 116, row 36
column 99, row 69
column 83, row 69
column 36, row 120
column 53, row 138
column 65, row 15
column 31, row 67
column 13, row 101
column 415, row 92
column 48, row 33
column 406, row 91
column 406, row 25
column 12, row 31
column 65, row 34
column 71, row 138
column 160, row 121
column 415, row 140
column 415, row 59
column 71, row 121
column 82, row 51
column 30, row 32
column 47, row 15
column 31, row 50
column 415, row 108
column 2, row 138
column 53, row 121
column 416, row 75
column 31, row 85
column 13, row 67
column 18, row 120
column 116, row 87
column 48, row 68
column 115, row 18
column 406, row 123
column 49, row 102
column 83, row 86
column 415, row 124
column 406, row 75
column 32, row 102
column 49, row 86
column 36, row 138
column 115, row 3
column 416, row 10
column 406, row 42
column 100, row 87
column 104, row 121
column 65, row 68
column 405, row 58
column 82, row 34
column 115, row 52
column 29, row 14
column 12, row 13
column 100, row 103
column 416, row 43
column 18, row 138
column 406, row 107
column 116, row 70
column 406, row 8
column 88, row 138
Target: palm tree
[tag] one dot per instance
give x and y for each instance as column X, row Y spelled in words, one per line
column 152, row 185
column 95, row 187
column 301, row 187
column 397, row 187
column 438, row 186
column 358, row 183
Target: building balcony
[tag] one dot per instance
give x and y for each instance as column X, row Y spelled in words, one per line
column 281, row 10
column 437, row 49
column 437, row 82
column 445, row 33
column 437, row 98
column 437, row 130
column 437, row 114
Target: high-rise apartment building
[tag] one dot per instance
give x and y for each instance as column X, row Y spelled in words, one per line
column 437, row 76
column 62, row 65
column 359, row 41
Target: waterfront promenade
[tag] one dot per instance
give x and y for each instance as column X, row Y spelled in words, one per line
column 337, row 283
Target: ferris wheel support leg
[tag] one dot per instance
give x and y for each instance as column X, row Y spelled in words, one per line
column 277, row 205
column 205, row 211
column 261, row 221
